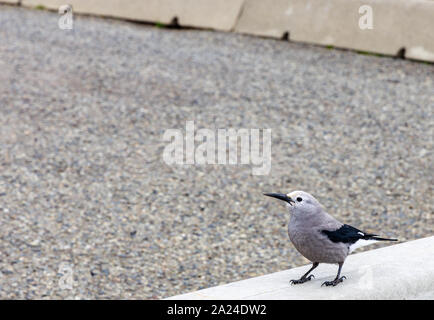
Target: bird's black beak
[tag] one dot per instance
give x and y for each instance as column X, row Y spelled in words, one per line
column 280, row 196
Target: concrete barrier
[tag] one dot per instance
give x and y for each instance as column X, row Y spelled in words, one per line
column 402, row 271
column 10, row 1
column 400, row 27
column 396, row 24
column 219, row 15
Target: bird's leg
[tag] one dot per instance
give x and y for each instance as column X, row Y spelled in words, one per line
column 337, row 279
column 305, row 278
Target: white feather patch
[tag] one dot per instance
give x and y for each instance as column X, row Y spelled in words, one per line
column 361, row 243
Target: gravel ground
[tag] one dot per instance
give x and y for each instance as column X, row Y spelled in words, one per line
column 83, row 184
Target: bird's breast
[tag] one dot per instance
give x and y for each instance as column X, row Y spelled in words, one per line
column 314, row 246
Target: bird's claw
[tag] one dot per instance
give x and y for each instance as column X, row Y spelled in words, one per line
column 334, row 282
column 302, row 280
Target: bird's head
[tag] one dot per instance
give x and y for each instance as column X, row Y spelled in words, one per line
column 298, row 202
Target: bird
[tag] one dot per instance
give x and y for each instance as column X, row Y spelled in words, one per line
column 320, row 237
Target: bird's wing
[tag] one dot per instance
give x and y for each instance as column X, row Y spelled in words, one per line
column 353, row 237
column 347, row 234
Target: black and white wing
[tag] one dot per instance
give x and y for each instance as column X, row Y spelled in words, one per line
column 353, row 237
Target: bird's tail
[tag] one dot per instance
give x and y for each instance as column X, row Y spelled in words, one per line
column 374, row 237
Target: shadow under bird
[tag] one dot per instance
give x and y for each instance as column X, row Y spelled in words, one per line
column 318, row 236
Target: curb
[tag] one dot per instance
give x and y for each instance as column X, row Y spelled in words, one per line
column 219, row 15
column 399, row 27
column 402, row 28
column 402, row 271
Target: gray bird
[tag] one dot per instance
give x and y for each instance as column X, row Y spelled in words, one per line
column 320, row 237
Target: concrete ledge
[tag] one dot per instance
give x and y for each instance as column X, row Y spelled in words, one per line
column 219, row 15
column 10, row 1
column 397, row 24
column 400, row 27
column 402, row 271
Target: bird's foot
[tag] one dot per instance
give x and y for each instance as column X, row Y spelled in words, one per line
column 334, row 282
column 302, row 280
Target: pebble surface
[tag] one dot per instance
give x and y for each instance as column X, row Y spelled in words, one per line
column 83, row 183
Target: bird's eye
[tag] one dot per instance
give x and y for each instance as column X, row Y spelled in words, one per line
column 299, row 199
